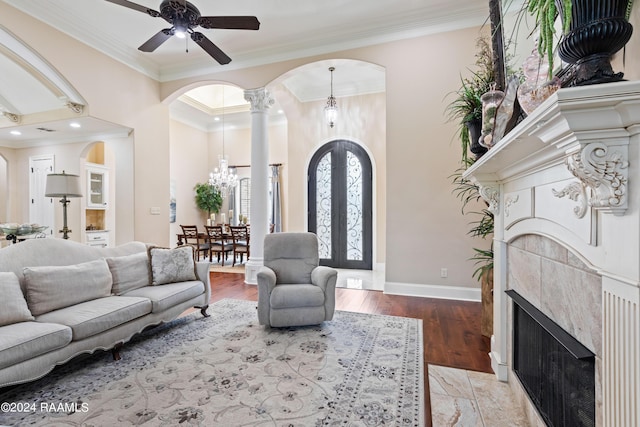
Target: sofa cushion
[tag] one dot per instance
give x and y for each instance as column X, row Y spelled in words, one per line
column 288, row 296
column 14, row 307
column 129, row 272
column 98, row 315
column 167, row 296
column 52, row 287
column 25, row 340
column 172, row 265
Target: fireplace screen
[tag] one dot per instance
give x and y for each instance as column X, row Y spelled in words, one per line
column 557, row 372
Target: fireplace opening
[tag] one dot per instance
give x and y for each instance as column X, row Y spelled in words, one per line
column 556, row 370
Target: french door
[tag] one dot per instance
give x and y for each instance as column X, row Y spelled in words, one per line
column 340, row 204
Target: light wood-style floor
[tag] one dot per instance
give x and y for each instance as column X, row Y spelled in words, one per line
column 451, row 329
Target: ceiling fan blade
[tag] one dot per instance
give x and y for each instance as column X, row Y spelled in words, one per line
column 210, row 48
column 230, row 22
column 136, row 6
column 155, row 41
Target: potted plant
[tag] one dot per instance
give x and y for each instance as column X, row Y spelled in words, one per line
column 466, row 107
column 592, row 31
column 208, row 198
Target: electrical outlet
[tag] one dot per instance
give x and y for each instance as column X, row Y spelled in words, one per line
column 444, row 272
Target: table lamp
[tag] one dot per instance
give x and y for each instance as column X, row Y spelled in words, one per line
column 65, row 186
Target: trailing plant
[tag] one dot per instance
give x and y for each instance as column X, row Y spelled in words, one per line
column 545, row 14
column 208, row 198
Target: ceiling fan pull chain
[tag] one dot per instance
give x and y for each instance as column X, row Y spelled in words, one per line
column 186, row 44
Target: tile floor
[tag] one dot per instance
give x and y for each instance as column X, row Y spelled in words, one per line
column 372, row 280
column 466, row 398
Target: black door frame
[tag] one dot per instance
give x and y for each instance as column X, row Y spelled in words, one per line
column 338, row 149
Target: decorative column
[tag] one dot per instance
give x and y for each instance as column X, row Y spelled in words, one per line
column 260, row 101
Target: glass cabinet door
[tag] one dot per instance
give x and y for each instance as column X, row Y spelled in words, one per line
column 96, row 188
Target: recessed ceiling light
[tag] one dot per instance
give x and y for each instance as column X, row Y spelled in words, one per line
column 216, row 119
column 15, row 132
column 75, row 125
column 280, row 111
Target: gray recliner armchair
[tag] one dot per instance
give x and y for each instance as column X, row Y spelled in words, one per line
column 293, row 290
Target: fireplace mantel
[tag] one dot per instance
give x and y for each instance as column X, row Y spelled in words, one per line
column 569, row 172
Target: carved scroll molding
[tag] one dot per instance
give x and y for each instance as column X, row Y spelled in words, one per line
column 604, row 170
column 15, row 118
column 508, row 202
column 75, row 107
column 492, row 196
column 577, row 192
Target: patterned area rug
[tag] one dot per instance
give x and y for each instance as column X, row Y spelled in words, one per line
column 226, row 370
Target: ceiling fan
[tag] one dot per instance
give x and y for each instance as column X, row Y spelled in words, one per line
column 184, row 17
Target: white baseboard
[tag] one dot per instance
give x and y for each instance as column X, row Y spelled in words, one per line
column 433, row 291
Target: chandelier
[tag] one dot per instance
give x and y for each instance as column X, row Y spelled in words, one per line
column 331, row 110
column 223, row 178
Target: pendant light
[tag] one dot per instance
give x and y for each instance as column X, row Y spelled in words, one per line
column 331, row 110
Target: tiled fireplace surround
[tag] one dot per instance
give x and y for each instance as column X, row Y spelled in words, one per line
column 564, row 187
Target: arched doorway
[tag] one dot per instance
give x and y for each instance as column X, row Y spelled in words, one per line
column 340, row 204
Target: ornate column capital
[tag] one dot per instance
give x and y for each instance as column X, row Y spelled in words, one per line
column 604, row 170
column 260, row 99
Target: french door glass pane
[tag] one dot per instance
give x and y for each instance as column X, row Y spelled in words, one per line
column 354, row 207
column 323, row 206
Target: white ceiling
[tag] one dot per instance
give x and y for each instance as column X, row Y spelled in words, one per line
column 289, row 29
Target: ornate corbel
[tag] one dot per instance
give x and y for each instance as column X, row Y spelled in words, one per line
column 492, row 196
column 577, row 192
column 15, row 118
column 604, row 170
column 76, row 108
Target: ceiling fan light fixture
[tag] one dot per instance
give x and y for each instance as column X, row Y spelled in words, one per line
column 331, row 109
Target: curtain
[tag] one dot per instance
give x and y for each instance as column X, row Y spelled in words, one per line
column 276, row 201
column 232, row 201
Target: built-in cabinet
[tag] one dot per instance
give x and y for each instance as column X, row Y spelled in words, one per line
column 98, row 238
column 97, row 209
column 97, row 186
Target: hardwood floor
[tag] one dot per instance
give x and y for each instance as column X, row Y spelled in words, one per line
column 451, row 329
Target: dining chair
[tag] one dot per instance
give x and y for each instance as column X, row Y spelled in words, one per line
column 217, row 243
column 240, row 237
column 193, row 238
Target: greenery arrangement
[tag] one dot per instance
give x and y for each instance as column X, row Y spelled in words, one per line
column 468, row 192
column 466, row 105
column 208, row 198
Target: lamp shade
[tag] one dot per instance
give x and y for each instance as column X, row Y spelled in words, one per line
column 62, row 184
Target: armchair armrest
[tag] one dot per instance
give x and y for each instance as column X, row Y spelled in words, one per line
column 266, row 282
column 324, row 277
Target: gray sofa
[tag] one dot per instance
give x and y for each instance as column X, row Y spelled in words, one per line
column 61, row 299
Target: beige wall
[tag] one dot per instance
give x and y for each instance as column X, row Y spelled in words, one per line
column 424, row 228
column 116, row 93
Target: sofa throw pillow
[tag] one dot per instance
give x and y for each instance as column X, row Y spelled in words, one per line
column 172, row 265
column 129, row 272
column 14, row 306
column 52, row 287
